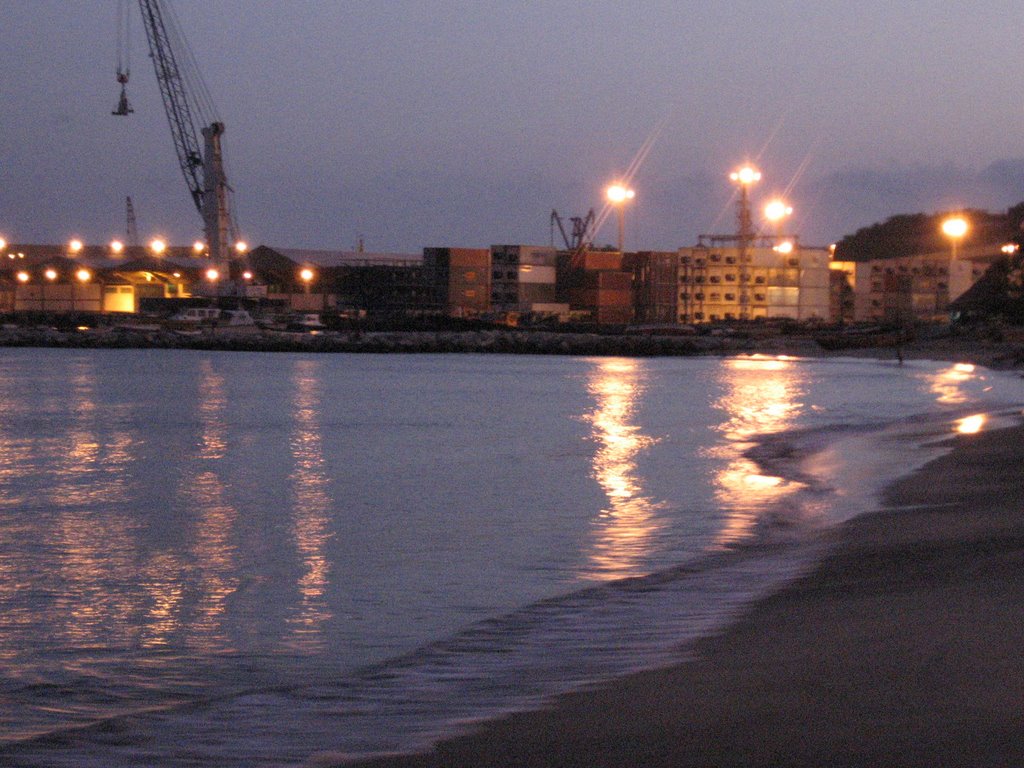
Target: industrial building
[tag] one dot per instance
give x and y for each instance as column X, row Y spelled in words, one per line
column 918, row 287
column 723, row 281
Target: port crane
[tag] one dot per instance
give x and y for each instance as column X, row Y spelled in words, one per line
column 187, row 103
column 581, row 229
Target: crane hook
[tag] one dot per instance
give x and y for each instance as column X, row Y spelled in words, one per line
column 123, row 107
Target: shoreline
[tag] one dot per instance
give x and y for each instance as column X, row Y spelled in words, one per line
column 900, row 648
column 975, row 346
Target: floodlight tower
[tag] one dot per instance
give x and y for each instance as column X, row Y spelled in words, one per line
column 744, row 177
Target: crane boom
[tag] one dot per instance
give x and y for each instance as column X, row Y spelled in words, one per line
column 201, row 163
column 172, row 90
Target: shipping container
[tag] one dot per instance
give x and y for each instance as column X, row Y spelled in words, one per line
column 470, row 257
column 602, row 260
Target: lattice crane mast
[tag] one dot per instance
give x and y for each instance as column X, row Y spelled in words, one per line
column 185, row 97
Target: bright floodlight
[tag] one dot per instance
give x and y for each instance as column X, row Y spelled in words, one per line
column 3, row 243
column 158, row 246
column 746, row 175
column 777, row 210
column 198, row 246
column 241, row 246
column 83, row 275
column 23, row 277
column 306, row 275
column 955, row 226
column 212, row 275
column 75, row 245
column 116, row 246
column 620, row 194
column 1010, row 248
column 51, row 274
column 784, row 247
column 247, row 275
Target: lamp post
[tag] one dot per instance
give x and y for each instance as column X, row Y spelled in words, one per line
column 75, row 246
column 955, row 227
column 775, row 211
column 51, row 275
column 745, row 177
column 83, row 276
column 618, row 194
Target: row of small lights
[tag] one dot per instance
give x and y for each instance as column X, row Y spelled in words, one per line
column 213, row 275
column 157, row 245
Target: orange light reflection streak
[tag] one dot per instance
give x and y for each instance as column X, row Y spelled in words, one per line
column 626, row 526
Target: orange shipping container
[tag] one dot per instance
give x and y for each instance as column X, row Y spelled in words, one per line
column 590, row 297
column 614, row 315
column 619, row 281
column 470, row 257
column 602, row 260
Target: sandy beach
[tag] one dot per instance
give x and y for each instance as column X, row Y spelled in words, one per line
column 904, row 648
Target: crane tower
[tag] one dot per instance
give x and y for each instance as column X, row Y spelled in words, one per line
column 187, row 103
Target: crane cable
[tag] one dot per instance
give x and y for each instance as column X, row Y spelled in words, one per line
column 124, row 41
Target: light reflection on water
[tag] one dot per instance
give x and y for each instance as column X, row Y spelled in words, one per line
column 627, row 525
column 312, row 505
column 759, row 396
column 211, row 548
column 156, row 548
column 948, row 383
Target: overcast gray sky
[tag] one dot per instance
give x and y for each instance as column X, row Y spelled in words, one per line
column 418, row 123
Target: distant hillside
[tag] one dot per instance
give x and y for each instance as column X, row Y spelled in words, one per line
column 907, row 234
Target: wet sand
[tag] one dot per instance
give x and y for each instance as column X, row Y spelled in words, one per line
column 904, row 648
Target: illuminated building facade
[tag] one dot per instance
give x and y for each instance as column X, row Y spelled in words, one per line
column 723, row 282
column 918, row 287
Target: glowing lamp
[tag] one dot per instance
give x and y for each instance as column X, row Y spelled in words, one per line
column 955, row 226
column 620, row 194
column 777, row 210
column 746, row 175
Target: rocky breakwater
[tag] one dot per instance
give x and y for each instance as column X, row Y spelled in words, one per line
column 475, row 342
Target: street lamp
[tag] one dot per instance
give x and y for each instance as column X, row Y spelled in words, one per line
column 158, row 246
column 198, row 247
column 75, row 246
column 3, row 243
column 84, row 276
column 212, row 275
column 745, row 177
column 617, row 196
column 776, row 210
column 51, row 275
column 116, row 247
column 955, row 227
column 241, row 247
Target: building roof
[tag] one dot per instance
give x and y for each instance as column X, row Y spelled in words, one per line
column 327, row 259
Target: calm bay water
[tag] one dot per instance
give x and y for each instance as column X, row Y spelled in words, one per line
column 226, row 559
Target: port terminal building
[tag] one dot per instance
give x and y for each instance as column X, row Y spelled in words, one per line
column 717, row 280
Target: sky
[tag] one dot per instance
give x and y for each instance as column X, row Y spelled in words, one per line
column 414, row 123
